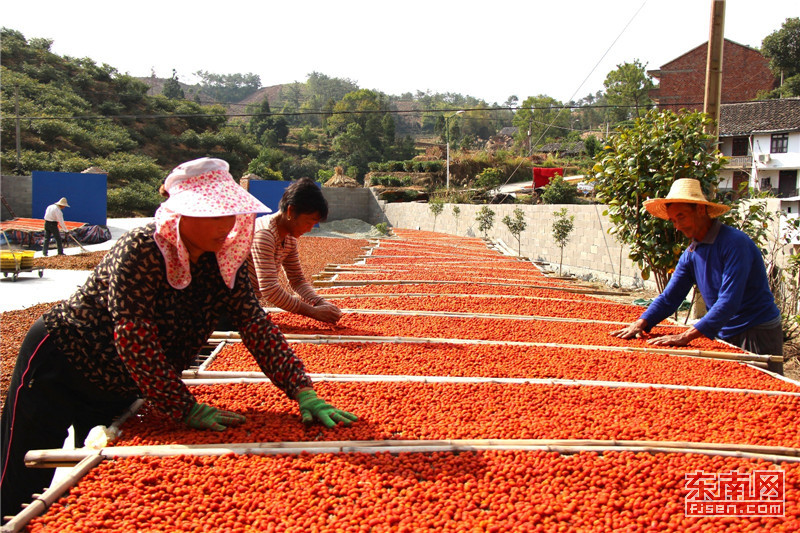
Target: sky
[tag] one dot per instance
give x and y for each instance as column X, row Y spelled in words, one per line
column 563, row 49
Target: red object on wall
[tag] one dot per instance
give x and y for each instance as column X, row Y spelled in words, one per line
column 542, row 176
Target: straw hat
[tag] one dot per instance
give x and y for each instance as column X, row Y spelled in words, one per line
column 205, row 188
column 62, row 202
column 684, row 191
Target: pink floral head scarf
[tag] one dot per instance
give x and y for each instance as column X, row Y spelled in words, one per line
column 205, row 188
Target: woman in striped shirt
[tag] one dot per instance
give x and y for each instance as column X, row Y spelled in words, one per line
column 302, row 206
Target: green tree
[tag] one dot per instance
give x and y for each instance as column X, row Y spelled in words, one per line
column 267, row 128
column 782, row 47
column 640, row 162
column 456, row 215
column 559, row 191
column 562, row 228
column 172, row 88
column 228, row 87
column 436, row 205
column 516, row 226
column 629, row 85
column 592, row 145
column 489, row 179
column 327, row 88
column 305, row 136
column 361, row 133
column 540, row 118
column 354, row 149
column 267, row 164
column 485, row 219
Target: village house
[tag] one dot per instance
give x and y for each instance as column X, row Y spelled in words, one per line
column 745, row 73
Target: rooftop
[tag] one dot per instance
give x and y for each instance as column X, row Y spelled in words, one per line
column 763, row 116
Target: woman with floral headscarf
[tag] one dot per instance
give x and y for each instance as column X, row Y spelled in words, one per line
column 139, row 320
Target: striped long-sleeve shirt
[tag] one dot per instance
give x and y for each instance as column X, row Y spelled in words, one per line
column 267, row 255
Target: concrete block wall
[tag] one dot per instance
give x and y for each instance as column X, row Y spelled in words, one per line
column 18, row 192
column 591, row 252
column 361, row 203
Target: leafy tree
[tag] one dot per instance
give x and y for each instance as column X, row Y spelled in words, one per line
column 559, row 191
column 485, row 219
column 782, row 47
column 640, row 162
column 267, row 128
column 267, row 164
column 228, row 87
column 354, row 149
column 562, row 228
column 629, row 85
column 172, row 88
column 436, row 206
column 328, row 88
column 305, row 136
column 516, row 226
column 360, row 130
column 592, row 145
column 539, row 118
column 489, row 179
column 456, row 215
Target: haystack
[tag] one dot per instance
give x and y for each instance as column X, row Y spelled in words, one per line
column 340, row 180
column 94, row 170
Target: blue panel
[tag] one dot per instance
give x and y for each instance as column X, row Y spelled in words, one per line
column 268, row 192
column 85, row 193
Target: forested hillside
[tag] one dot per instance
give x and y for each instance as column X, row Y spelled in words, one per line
column 72, row 113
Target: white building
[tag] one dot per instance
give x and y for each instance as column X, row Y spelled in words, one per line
column 762, row 141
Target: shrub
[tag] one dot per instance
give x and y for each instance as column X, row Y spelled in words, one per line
column 134, row 199
column 560, row 191
column 489, row 179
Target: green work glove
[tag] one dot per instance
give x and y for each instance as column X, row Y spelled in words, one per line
column 203, row 416
column 312, row 407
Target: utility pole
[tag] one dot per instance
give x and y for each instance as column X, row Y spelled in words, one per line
column 711, row 104
column 716, row 40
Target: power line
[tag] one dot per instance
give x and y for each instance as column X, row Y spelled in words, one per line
column 345, row 112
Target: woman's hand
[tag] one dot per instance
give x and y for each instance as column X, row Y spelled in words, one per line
column 314, row 408
column 203, row 416
column 326, row 312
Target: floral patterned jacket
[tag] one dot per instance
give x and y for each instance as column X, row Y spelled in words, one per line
column 128, row 331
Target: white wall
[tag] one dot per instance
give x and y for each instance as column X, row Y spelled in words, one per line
column 591, row 252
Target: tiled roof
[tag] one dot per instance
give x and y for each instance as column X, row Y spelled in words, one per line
column 763, row 116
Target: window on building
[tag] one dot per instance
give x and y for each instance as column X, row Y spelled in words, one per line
column 780, row 143
column 766, row 184
column 740, row 146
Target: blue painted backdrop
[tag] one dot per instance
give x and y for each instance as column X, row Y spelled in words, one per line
column 268, row 191
column 85, row 193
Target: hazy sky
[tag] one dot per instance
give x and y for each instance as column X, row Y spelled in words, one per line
column 561, row 48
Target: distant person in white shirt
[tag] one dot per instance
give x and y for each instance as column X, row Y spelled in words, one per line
column 53, row 219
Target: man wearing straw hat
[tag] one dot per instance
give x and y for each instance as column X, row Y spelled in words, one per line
column 727, row 268
column 53, row 219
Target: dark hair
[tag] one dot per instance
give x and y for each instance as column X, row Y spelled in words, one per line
column 306, row 197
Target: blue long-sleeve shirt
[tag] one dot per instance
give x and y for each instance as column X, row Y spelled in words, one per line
column 729, row 271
